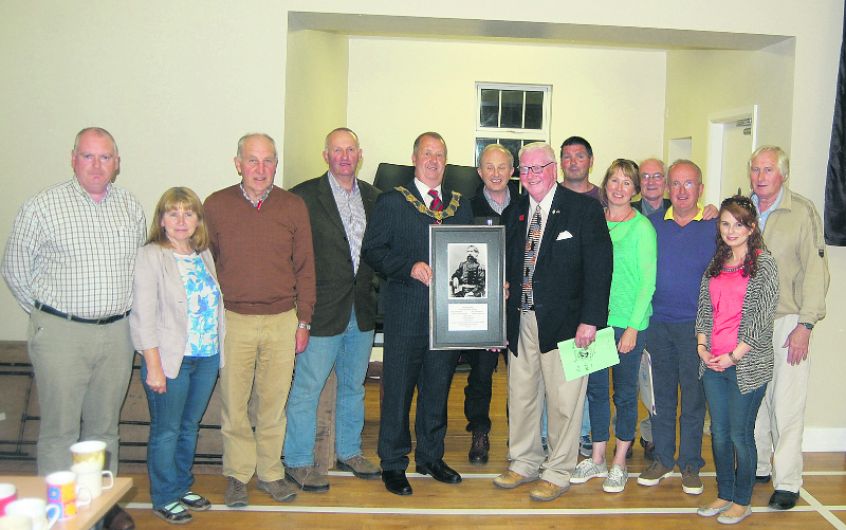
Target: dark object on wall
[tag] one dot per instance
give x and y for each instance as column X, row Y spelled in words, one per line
column 463, row 179
column 835, row 186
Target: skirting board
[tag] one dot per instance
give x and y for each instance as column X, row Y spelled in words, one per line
column 824, row 440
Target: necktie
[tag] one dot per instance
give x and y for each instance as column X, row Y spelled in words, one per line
column 437, row 205
column 532, row 242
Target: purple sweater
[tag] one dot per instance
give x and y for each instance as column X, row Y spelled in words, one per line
column 683, row 255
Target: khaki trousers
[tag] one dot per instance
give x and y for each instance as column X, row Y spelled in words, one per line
column 533, row 376
column 259, row 356
column 781, row 418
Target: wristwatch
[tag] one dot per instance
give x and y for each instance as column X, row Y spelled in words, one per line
column 808, row 325
column 303, row 325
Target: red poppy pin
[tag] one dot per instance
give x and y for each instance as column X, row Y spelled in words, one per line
column 521, row 218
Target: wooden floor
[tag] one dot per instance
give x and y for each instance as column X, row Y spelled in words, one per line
column 476, row 503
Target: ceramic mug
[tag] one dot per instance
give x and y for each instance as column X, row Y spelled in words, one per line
column 90, row 478
column 64, row 492
column 43, row 516
column 93, row 451
column 15, row 522
column 8, row 493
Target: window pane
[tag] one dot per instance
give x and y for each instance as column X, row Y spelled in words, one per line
column 513, row 146
column 481, row 143
column 534, row 110
column 489, row 108
column 512, row 109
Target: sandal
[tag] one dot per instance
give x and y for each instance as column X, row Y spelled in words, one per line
column 173, row 513
column 195, row 502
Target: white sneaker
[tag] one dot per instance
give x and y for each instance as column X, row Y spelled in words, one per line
column 586, row 470
column 616, row 481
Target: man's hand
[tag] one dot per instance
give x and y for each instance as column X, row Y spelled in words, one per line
column 300, row 340
column 709, row 212
column 797, row 344
column 422, row 272
column 585, row 334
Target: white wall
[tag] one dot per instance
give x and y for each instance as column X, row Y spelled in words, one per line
column 399, row 88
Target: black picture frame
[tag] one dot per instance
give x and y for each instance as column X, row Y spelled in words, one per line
column 466, row 305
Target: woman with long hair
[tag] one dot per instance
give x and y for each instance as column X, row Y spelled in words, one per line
column 734, row 331
column 629, row 309
column 177, row 324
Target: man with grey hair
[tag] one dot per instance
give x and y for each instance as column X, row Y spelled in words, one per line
column 69, row 263
column 792, row 231
column 339, row 205
column 558, row 265
column 261, row 242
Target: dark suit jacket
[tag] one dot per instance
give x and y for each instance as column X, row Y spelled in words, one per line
column 397, row 237
column 638, row 205
column 572, row 277
column 337, row 289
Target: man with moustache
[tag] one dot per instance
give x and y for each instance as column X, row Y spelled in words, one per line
column 396, row 245
column 558, row 265
column 686, row 245
column 262, row 246
column 69, row 263
column 339, row 205
column 496, row 165
column 792, row 230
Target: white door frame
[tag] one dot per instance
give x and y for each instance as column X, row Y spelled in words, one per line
column 717, row 124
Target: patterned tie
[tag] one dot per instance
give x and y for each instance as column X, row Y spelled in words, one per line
column 532, row 241
column 437, row 204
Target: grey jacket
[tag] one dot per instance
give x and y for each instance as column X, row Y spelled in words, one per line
column 159, row 317
column 756, row 324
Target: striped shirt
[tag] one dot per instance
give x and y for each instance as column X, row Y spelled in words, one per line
column 351, row 208
column 73, row 254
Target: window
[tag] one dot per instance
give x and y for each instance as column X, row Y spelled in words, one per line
column 512, row 115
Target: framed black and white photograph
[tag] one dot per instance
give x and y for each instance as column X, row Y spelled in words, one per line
column 466, row 297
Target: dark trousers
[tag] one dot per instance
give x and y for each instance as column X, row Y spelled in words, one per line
column 408, row 363
column 675, row 365
column 477, row 393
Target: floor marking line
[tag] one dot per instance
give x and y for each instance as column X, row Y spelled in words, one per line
column 822, row 510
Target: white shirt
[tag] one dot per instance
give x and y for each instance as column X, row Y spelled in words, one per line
column 424, row 191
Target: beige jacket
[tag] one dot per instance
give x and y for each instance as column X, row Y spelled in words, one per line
column 159, row 317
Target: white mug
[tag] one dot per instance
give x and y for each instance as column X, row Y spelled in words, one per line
column 15, row 522
column 88, row 477
column 43, row 516
column 93, row 451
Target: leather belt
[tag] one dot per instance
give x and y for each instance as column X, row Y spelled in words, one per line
column 98, row 321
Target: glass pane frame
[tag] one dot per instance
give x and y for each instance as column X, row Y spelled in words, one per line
column 492, row 107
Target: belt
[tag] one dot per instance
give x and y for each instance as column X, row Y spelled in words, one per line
column 99, row 321
column 526, row 310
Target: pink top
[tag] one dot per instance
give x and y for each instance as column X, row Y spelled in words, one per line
column 727, row 292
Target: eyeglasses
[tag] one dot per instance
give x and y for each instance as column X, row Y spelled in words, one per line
column 537, row 170
column 651, row 176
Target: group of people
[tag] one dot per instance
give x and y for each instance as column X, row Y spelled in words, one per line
column 280, row 279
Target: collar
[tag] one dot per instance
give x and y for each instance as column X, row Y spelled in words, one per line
column 783, row 199
column 256, row 203
column 79, row 189
column 424, row 191
column 497, row 207
column 336, row 186
column 668, row 215
column 545, row 203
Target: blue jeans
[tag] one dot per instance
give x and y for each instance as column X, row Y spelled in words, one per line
column 348, row 353
column 733, row 433
column 675, row 365
column 625, row 395
column 174, row 422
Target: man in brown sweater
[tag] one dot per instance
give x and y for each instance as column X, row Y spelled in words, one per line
column 261, row 242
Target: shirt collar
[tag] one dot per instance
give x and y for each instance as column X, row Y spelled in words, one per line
column 668, row 215
column 258, row 201
column 424, row 191
column 497, row 207
column 756, row 201
column 336, row 186
column 545, row 203
column 79, row 189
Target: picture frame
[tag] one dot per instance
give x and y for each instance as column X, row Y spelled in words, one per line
column 466, row 294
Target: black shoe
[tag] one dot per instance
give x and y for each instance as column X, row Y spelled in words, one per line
column 194, row 501
column 629, row 452
column 440, row 472
column 396, row 483
column 174, row 513
column 762, row 479
column 118, row 519
column 648, row 449
column 783, row 500
column 479, row 448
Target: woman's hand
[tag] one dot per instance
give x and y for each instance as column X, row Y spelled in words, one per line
column 627, row 341
column 156, row 380
column 720, row 363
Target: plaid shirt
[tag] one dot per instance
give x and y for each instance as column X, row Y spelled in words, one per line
column 73, row 254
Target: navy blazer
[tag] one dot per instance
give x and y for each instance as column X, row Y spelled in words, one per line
column 397, row 237
column 338, row 290
column 572, row 277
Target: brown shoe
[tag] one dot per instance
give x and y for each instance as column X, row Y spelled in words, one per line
column 511, row 479
column 280, row 490
column 236, row 493
column 118, row 519
column 360, row 467
column 479, row 448
column 547, row 491
column 307, row 478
